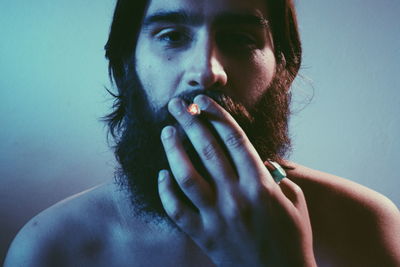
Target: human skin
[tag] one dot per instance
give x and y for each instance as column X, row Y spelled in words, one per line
column 172, row 58
column 243, row 217
column 352, row 225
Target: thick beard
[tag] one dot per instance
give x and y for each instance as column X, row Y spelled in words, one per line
column 140, row 152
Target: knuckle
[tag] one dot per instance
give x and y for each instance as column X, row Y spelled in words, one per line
column 189, row 122
column 177, row 215
column 262, row 193
column 240, row 210
column 235, row 140
column 209, row 151
column 163, row 191
column 187, row 181
column 234, row 214
column 297, row 191
column 260, row 190
column 170, row 145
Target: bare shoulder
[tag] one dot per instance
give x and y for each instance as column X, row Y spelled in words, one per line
column 350, row 222
column 324, row 184
column 61, row 230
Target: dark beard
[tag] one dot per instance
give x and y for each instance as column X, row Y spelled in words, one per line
column 141, row 156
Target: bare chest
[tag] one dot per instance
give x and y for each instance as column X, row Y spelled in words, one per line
column 140, row 250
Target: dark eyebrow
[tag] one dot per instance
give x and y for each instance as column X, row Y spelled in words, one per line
column 175, row 17
column 224, row 19
column 241, row 19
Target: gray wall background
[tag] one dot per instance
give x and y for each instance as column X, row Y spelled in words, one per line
column 52, row 74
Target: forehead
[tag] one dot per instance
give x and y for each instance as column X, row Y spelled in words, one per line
column 209, row 9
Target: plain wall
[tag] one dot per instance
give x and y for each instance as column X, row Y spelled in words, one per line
column 53, row 73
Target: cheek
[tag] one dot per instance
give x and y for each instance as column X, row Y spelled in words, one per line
column 265, row 65
column 155, row 76
column 252, row 79
column 265, row 68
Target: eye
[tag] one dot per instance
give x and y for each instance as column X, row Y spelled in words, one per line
column 240, row 39
column 237, row 41
column 173, row 38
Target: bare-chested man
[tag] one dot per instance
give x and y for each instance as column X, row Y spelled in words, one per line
column 215, row 202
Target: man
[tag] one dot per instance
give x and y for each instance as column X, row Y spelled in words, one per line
column 215, row 202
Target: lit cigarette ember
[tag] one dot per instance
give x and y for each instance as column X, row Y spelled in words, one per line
column 194, row 109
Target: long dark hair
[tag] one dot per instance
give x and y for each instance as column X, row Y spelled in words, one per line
column 121, row 44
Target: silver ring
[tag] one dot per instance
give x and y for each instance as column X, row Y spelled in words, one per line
column 278, row 173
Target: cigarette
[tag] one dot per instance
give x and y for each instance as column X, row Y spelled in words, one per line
column 194, row 109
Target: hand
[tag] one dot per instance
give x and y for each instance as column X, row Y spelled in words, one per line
column 243, row 217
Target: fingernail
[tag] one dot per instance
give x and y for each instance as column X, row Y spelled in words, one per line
column 167, row 132
column 177, row 106
column 162, row 175
column 202, row 101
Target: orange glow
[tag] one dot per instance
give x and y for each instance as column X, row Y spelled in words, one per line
column 193, row 109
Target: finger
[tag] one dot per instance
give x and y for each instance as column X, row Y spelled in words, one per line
column 183, row 216
column 241, row 151
column 293, row 192
column 204, row 142
column 193, row 186
column 295, row 195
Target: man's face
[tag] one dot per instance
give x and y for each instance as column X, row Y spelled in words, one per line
column 219, row 48
column 187, row 45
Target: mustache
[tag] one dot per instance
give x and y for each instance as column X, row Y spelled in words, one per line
column 235, row 108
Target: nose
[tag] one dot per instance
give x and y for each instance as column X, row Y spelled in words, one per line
column 205, row 68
